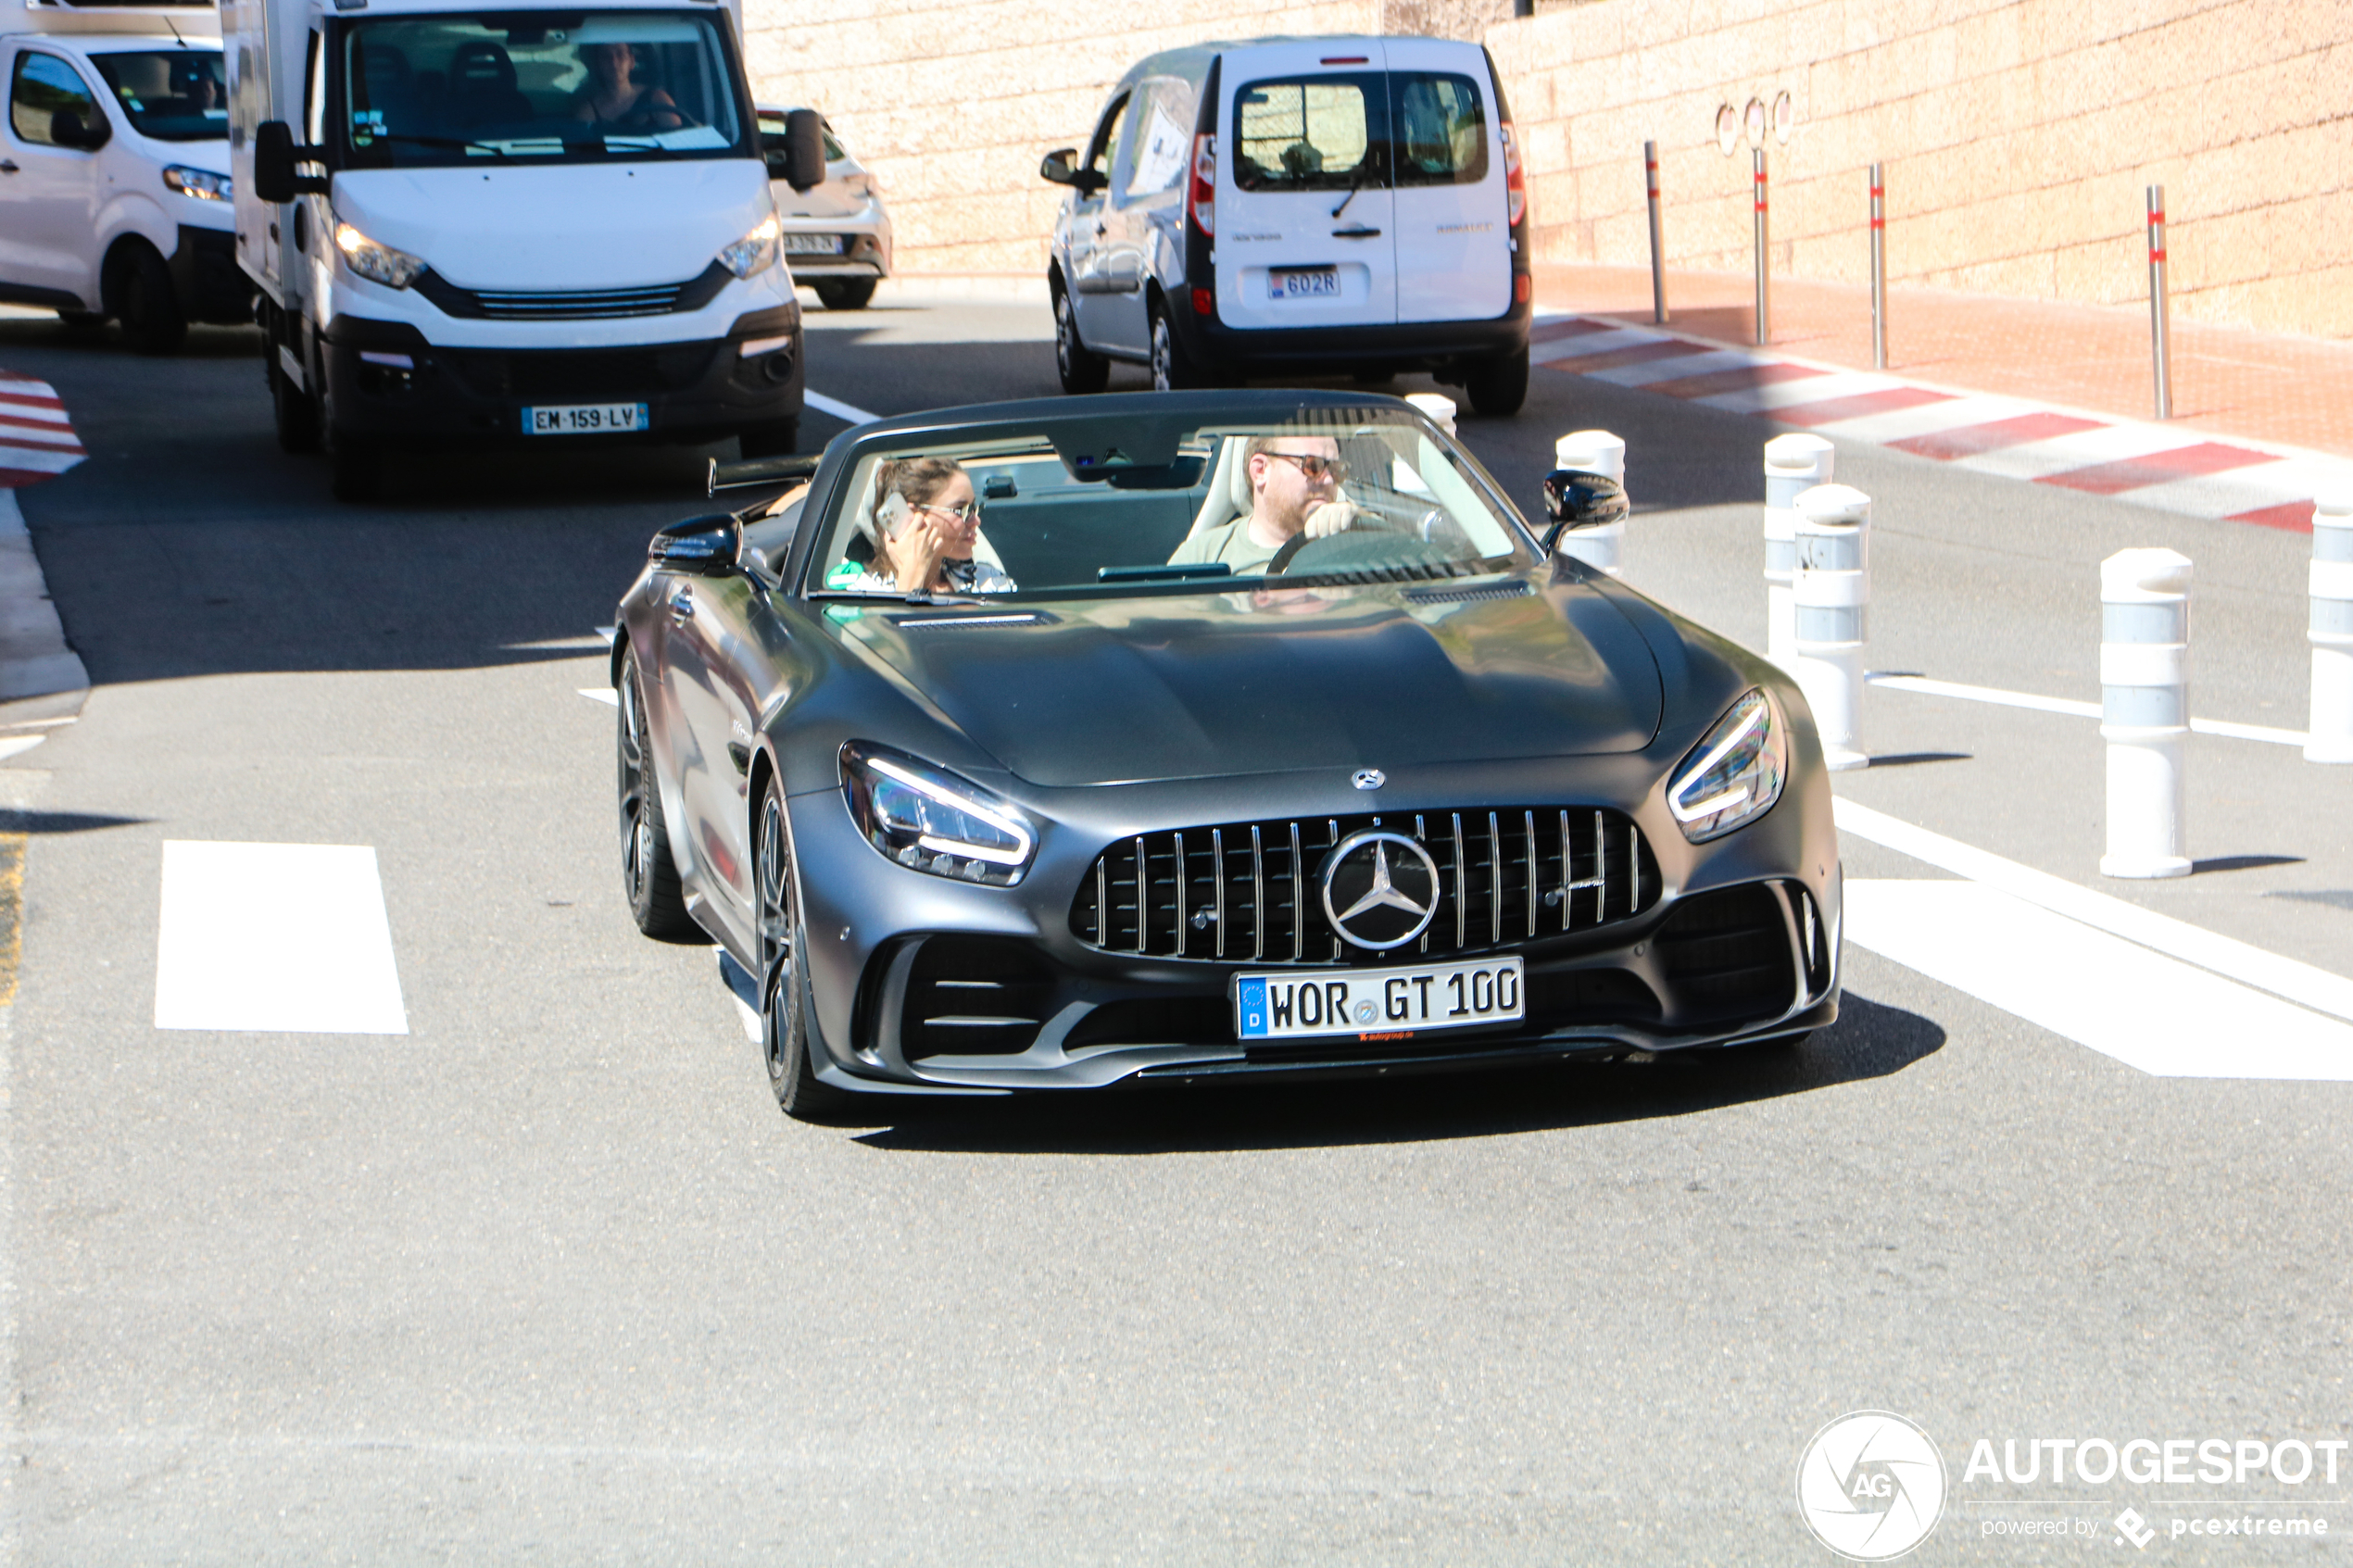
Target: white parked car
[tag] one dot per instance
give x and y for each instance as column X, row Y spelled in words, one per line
column 114, row 169
column 836, row 235
column 1298, row 205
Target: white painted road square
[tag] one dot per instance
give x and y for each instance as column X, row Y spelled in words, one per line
column 289, row 937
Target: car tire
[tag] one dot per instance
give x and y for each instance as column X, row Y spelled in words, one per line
column 151, row 320
column 783, row 988
column 1173, row 369
column 1497, row 387
column 296, row 412
column 648, row 876
column 777, row 438
column 1082, row 370
column 844, row 293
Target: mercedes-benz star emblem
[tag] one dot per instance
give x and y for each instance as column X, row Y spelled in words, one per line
column 1380, row 889
column 1369, row 778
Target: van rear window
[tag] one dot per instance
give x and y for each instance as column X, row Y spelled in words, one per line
column 1312, row 134
column 1437, row 133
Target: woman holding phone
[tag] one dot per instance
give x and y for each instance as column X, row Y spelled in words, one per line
column 926, row 528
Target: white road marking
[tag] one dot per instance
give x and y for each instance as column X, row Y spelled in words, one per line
column 2082, row 449
column 1593, row 343
column 1699, row 363
column 605, row 694
column 2149, row 1011
column 275, row 937
column 837, row 408
column 2224, row 956
column 17, row 745
column 1804, row 389
column 2076, row 710
column 1928, row 418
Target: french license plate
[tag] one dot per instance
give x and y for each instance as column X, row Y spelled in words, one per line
column 1304, row 283
column 584, row 418
column 1378, row 1004
column 812, row 244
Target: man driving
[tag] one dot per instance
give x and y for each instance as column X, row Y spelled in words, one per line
column 1294, row 489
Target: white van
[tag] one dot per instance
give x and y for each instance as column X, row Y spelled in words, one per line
column 113, row 169
column 1296, row 205
column 521, row 223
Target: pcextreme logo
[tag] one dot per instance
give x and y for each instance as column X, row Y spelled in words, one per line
column 1871, row 1486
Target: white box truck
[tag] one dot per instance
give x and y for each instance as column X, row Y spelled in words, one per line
column 114, row 168
column 537, row 223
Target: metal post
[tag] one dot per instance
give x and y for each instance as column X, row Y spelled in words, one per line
column 2144, row 711
column 1831, row 587
column 1878, row 270
column 1794, row 464
column 1595, row 451
column 1658, row 236
column 2157, row 344
column 2332, row 630
column 1764, row 275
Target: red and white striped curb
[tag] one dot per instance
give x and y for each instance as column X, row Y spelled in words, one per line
column 36, row 439
column 2148, row 464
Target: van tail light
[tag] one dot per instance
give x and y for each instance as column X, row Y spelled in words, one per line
column 1204, row 302
column 1514, row 182
column 1200, row 192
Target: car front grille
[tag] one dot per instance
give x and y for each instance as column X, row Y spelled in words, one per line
column 570, row 305
column 578, row 373
column 1727, row 954
column 975, row 996
column 1249, row 891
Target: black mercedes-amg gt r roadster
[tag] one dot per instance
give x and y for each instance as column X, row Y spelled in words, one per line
column 1203, row 736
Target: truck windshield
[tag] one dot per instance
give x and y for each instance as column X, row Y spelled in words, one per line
column 457, row 88
column 168, row 95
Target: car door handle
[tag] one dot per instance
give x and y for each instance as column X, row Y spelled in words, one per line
column 681, row 608
column 1359, row 232
column 1100, row 231
column 7, row 166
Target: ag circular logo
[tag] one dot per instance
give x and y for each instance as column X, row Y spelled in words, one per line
column 1380, row 889
column 1871, row 1486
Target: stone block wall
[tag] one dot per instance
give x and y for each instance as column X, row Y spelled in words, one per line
column 2018, row 138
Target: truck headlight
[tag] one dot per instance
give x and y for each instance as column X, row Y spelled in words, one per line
column 928, row 820
column 1734, row 773
column 377, row 263
column 755, row 251
column 201, row 184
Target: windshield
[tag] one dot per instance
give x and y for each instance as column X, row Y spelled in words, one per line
column 170, row 95
column 447, row 89
column 1352, row 497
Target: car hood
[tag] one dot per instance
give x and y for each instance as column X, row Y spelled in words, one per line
column 583, row 225
column 1104, row 692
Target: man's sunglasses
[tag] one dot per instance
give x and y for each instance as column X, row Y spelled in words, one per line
column 1315, row 466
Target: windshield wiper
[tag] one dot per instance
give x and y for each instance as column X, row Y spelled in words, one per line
column 1364, row 166
column 458, row 143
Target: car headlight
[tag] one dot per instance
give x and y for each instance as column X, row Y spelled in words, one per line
column 1734, row 774
column 201, row 184
column 928, row 820
column 755, row 251
column 377, row 263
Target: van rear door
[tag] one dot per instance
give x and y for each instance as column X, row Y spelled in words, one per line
column 1304, row 204
column 1452, row 220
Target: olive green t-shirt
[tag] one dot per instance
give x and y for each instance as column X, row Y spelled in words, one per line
column 1228, row 542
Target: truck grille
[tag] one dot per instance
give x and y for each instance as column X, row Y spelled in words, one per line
column 570, row 305
column 1250, row 890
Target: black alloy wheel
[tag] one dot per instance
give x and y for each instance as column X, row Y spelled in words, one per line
column 1497, row 387
column 647, row 873
column 844, row 293
column 784, row 989
column 151, row 318
column 1082, row 370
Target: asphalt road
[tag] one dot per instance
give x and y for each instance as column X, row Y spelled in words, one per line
column 548, row 1280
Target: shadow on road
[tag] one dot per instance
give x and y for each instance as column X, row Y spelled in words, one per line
column 1870, row 1040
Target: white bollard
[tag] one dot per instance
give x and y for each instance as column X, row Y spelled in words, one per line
column 2332, row 630
column 1595, row 451
column 1794, row 464
column 2144, row 711
column 1437, row 407
column 1830, row 595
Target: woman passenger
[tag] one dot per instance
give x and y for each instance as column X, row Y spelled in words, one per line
column 926, row 527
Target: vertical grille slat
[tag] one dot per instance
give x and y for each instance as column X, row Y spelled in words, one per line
column 1143, row 895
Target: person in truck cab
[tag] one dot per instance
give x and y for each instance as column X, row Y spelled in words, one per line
column 611, row 98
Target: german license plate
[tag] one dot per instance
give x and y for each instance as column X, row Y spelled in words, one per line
column 812, row 244
column 584, row 418
column 1379, row 1004
column 1304, row 283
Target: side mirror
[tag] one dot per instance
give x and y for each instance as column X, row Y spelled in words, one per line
column 705, row 546
column 274, row 161
column 68, row 129
column 800, row 159
column 1576, row 500
column 1056, row 168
